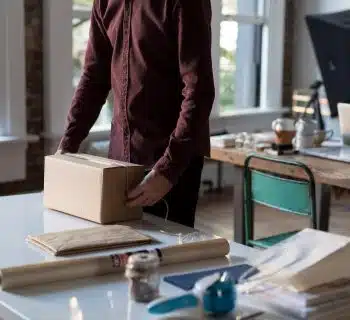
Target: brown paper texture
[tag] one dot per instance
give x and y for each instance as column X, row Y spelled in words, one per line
column 88, row 239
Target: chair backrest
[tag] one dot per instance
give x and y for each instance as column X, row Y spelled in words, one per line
column 284, row 193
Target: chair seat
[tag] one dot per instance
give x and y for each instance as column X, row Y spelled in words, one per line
column 272, row 240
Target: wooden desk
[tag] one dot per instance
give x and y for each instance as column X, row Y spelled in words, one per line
column 327, row 173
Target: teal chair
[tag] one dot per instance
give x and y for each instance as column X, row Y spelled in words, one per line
column 289, row 195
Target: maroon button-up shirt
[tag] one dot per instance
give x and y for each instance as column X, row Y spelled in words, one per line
column 155, row 55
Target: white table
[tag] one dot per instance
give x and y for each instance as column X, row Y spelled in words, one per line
column 97, row 298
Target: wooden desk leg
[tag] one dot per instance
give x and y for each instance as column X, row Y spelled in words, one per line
column 238, row 226
column 323, row 206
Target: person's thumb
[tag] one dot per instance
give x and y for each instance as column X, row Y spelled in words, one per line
column 134, row 193
column 60, row 151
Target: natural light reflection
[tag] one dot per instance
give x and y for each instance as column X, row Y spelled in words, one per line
column 228, row 36
column 75, row 311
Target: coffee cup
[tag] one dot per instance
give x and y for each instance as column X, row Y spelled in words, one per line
column 284, row 130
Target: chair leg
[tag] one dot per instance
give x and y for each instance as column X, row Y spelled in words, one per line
column 323, row 204
column 238, row 207
column 219, row 177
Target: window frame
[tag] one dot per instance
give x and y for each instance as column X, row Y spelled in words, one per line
column 13, row 131
column 12, row 70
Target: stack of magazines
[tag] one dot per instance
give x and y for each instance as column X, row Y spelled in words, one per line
column 304, row 277
column 323, row 302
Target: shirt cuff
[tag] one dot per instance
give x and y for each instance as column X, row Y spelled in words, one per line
column 170, row 170
column 67, row 145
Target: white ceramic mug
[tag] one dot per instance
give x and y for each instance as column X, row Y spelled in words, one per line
column 305, row 127
column 303, row 142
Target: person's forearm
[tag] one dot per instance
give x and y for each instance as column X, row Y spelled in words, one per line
column 93, row 87
column 196, row 70
column 86, row 106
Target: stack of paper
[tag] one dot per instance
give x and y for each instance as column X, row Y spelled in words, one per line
column 223, row 140
column 228, row 140
column 318, row 303
column 304, row 277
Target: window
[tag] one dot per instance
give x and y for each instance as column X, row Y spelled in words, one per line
column 81, row 25
column 241, row 23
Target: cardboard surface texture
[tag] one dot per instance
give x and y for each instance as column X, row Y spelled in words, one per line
column 90, row 187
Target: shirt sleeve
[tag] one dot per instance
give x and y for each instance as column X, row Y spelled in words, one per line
column 93, row 88
column 192, row 23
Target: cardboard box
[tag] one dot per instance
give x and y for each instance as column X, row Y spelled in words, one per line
column 90, row 187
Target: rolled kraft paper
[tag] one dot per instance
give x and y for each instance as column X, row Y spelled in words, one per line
column 70, row 269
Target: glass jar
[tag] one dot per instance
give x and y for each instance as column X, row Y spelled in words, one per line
column 249, row 142
column 142, row 270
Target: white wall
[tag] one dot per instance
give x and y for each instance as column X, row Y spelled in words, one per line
column 304, row 61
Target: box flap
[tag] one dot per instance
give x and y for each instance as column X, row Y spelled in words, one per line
column 93, row 161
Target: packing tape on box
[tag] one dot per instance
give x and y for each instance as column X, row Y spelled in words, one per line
column 70, row 269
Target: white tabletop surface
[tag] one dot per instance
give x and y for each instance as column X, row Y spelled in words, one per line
column 97, row 298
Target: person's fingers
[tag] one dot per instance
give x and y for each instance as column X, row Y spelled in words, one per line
column 152, row 201
column 147, row 202
column 136, row 192
column 138, row 201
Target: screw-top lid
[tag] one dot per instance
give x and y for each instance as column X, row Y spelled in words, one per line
column 142, row 261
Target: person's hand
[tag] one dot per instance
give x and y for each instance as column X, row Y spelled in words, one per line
column 152, row 188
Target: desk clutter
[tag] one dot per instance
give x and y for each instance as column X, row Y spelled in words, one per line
column 75, row 268
column 288, row 137
column 304, row 277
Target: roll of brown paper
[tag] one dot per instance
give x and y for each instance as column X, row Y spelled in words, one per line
column 62, row 270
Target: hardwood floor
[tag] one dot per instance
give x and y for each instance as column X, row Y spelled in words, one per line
column 214, row 215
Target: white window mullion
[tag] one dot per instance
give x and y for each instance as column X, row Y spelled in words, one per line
column 58, row 64
column 3, row 69
column 16, row 67
column 245, row 74
column 272, row 55
column 216, row 19
column 12, row 69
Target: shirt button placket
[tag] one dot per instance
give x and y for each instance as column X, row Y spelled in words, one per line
column 125, row 78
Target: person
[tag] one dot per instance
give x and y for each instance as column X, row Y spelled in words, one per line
column 155, row 56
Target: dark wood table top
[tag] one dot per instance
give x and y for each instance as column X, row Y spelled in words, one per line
column 330, row 172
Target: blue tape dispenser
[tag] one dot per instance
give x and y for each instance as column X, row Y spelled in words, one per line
column 214, row 295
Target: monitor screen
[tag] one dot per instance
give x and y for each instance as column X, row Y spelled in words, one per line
column 330, row 36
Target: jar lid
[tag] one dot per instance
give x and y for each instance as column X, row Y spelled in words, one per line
column 142, row 261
